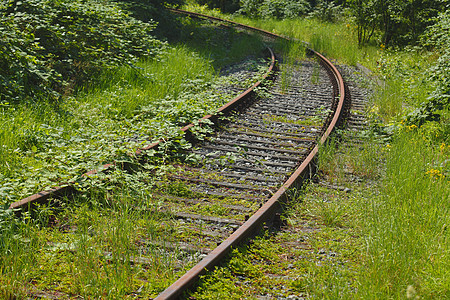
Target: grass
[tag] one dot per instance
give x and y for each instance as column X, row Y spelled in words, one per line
column 305, row 259
column 327, row 38
column 98, row 246
column 406, row 225
column 376, row 239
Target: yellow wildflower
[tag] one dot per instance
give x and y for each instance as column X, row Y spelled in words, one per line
column 443, row 147
column 435, row 174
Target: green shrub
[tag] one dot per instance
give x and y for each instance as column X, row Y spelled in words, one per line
column 436, row 106
column 280, row 9
column 48, row 47
column 326, row 11
column 439, row 35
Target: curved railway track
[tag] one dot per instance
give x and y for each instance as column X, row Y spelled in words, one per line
column 275, row 143
column 241, row 174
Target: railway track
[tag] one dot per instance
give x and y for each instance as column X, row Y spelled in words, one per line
column 236, row 180
column 272, row 144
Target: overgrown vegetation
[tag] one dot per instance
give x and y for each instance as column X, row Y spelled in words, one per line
column 99, row 245
column 391, row 23
column 85, row 82
column 48, row 47
column 128, row 106
column 131, row 99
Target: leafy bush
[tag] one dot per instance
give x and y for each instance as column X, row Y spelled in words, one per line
column 47, row 47
column 225, row 6
column 280, row 9
column 326, row 11
column 438, row 37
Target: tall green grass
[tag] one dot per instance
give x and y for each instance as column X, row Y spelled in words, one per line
column 336, row 40
column 96, row 248
column 18, row 240
column 21, row 130
column 148, row 83
column 406, row 227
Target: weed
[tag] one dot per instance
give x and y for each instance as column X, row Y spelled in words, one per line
column 332, row 213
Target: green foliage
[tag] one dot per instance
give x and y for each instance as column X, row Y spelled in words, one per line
column 399, row 22
column 128, row 107
column 327, row 11
column 425, row 88
column 439, row 36
column 48, row 47
column 407, row 238
column 279, row 9
column 228, row 6
column 416, row 89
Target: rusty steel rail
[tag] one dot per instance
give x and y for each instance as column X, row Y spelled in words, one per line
column 67, row 189
column 267, row 211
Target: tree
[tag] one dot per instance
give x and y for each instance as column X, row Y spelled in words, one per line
column 365, row 18
column 280, row 9
column 400, row 22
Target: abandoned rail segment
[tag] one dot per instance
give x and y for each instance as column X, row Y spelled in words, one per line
column 239, row 176
column 271, row 141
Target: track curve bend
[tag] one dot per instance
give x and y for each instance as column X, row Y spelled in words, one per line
column 269, row 208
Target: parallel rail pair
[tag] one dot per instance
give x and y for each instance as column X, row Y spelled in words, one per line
column 270, row 207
